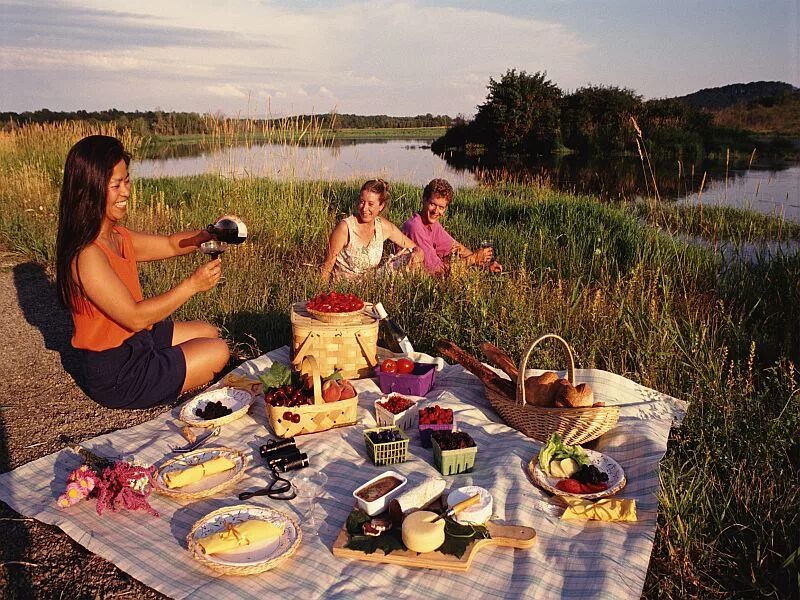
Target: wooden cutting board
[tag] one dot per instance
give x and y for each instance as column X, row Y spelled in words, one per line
column 512, row 536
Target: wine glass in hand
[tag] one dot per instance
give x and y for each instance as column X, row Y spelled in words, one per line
column 487, row 252
column 214, row 249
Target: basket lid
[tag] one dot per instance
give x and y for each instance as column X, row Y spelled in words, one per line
column 301, row 316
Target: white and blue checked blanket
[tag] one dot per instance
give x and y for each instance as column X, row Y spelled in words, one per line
column 570, row 559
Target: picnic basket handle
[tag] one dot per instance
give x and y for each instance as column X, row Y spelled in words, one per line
column 372, row 360
column 309, row 365
column 523, row 364
column 303, row 350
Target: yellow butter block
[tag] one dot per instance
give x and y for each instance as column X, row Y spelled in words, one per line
column 247, row 533
column 607, row 509
column 184, row 477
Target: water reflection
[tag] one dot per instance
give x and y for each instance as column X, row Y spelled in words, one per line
column 764, row 188
column 408, row 160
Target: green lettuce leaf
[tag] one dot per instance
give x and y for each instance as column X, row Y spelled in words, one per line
column 556, row 449
column 277, row 375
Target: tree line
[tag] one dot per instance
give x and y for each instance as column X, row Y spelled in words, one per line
column 527, row 114
column 163, row 123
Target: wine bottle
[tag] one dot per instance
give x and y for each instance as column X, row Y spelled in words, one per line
column 228, row 229
column 390, row 335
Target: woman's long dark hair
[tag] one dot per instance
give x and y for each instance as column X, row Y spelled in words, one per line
column 87, row 172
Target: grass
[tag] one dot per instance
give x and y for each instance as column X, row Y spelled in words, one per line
column 631, row 299
column 276, row 133
column 717, row 223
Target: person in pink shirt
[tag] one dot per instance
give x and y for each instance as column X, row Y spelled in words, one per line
column 425, row 230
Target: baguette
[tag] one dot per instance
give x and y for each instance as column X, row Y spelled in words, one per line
column 474, row 366
column 501, row 360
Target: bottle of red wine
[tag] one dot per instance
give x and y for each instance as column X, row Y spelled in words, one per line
column 229, row 229
column 390, row 335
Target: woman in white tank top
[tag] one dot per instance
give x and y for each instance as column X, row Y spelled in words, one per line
column 355, row 246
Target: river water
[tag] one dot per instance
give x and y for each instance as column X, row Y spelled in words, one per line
column 773, row 191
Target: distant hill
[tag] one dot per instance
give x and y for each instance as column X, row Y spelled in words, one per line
column 714, row 99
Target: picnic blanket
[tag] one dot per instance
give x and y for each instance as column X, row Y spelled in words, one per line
column 570, row 559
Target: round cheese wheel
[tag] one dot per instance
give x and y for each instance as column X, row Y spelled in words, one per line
column 477, row 514
column 420, row 534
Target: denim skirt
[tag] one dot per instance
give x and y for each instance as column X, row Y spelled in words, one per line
column 145, row 370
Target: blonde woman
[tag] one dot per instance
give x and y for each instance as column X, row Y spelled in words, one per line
column 355, row 246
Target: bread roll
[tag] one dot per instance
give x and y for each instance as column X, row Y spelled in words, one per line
column 580, row 396
column 540, row 390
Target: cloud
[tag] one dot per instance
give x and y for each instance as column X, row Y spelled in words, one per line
column 226, row 90
column 393, row 57
column 56, row 25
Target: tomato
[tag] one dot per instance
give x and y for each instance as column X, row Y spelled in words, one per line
column 389, row 366
column 596, row 487
column 570, row 486
column 405, row 366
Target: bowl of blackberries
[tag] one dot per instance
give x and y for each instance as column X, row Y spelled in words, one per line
column 213, row 410
column 216, row 407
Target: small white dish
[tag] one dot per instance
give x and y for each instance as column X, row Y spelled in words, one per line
column 380, row 504
column 237, row 400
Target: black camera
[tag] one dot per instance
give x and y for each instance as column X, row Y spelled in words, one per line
column 283, row 455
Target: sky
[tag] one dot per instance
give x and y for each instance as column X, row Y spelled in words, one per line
column 259, row 57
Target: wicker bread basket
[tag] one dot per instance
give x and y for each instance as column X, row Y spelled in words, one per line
column 351, row 347
column 574, row 425
column 316, row 417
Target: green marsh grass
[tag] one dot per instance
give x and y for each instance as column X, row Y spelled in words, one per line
column 679, row 318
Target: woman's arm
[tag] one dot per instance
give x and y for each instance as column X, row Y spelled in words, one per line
column 149, row 246
column 106, row 290
column 399, row 238
column 336, row 243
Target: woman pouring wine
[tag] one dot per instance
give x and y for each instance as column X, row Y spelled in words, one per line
column 133, row 355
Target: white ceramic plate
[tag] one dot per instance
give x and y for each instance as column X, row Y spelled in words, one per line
column 207, row 486
column 248, row 555
column 237, row 400
column 606, row 464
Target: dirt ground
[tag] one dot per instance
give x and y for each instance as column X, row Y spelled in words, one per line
column 40, row 402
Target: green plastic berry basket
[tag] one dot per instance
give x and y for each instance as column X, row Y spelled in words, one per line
column 387, row 453
column 453, row 462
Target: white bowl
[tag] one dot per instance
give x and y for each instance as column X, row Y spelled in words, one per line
column 381, row 504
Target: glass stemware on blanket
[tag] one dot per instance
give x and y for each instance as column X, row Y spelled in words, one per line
column 309, row 486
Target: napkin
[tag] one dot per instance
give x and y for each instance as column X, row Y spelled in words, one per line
column 242, row 534
column 183, row 477
column 234, row 380
column 607, row 509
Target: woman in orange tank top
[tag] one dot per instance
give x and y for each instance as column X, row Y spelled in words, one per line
column 133, row 355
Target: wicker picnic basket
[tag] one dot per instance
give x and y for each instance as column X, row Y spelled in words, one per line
column 350, row 346
column 316, row 417
column 574, row 425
